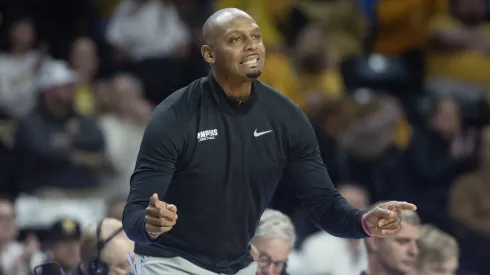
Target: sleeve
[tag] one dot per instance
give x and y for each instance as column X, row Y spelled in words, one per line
column 314, row 189
column 160, row 148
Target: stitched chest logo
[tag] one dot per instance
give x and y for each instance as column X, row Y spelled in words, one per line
column 207, row 135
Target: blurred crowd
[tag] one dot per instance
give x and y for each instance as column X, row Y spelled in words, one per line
column 397, row 92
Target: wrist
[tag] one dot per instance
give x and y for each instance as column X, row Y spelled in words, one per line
column 152, row 236
column 364, row 225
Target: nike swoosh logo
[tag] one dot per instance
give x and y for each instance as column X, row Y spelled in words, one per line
column 258, row 134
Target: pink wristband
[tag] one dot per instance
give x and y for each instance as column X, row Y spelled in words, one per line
column 363, row 223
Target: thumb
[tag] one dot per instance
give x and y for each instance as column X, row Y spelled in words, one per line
column 154, row 200
column 172, row 208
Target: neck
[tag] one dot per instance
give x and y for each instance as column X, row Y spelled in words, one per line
column 236, row 89
column 376, row 268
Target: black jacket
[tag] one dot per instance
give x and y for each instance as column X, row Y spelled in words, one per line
column 220, row 161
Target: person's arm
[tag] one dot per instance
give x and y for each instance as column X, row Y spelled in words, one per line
column 32, row 139
column 313, row 187
column 160, row 148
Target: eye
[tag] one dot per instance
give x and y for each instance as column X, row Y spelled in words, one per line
column 235, row 39
column 256, row 36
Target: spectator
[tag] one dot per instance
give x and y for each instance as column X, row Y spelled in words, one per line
column 273, row 241
column 469, row 193
column 59, row 149
column 115, row 207
column 123, row 129
column 103, row 248
column 438, row 154
column 316, row 69
column 85, row 61
column 323, row 253
column 395, row 255
column 64, row 246
column 438, row 253
column 342, row 22
column 399, row 29
column 16, row 258
column 460, row 43
column 144, row 29
column 18, row 69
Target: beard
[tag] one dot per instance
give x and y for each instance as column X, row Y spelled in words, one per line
column 254, row 75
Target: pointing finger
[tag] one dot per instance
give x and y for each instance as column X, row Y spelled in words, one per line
column 405, row 206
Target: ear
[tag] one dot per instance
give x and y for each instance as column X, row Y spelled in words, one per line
column 207, row 54
column 255, row 252
column 372, row 244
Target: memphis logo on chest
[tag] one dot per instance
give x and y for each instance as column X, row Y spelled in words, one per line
column 207, row 135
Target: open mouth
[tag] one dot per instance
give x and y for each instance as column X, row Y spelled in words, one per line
column 251, row 60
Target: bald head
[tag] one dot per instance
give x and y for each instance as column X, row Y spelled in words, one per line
column 233, row 45
column 214, row 25
column 114, row 252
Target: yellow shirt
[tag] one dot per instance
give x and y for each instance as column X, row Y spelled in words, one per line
column 464, row 65
column 402, row 24
column 85, row 100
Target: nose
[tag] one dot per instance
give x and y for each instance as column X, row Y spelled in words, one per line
column 251, row 45
column 413, row 249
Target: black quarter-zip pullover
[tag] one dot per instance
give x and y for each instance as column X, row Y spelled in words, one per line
column 220, row 161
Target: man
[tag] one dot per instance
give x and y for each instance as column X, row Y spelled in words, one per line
column 217, row 149
column 64, row 247
column 104, row 249
column 17, row 258
column 439, row 252
column 323, row 253
column 60, row 151
column 272, row 243
column 395, row 255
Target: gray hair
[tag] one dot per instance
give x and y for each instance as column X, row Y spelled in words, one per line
column 275, row 225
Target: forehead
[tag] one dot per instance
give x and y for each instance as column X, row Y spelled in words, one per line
column 236, row 23
column 409, row 231
column 275, row 248
column 6, row 207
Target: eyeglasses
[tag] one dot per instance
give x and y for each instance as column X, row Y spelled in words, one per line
column 265, row 261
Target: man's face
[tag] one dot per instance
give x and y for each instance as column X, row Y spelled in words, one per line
column 23, row 34
column 448, row 267
column 398, row 253
column 8, row 227
column 67, row 253
column 446, row 120
column 273, row 256
column 115, row 254
column 238, row 49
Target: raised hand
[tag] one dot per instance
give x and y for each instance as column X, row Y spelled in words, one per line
column 160, row 217
column 385, row 219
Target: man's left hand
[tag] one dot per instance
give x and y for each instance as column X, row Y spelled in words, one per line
column 385, row 219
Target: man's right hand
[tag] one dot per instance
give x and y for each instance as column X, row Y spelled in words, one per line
column 160, row 217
